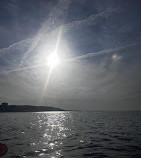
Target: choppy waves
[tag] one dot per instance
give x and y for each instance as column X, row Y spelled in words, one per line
column 71, row 134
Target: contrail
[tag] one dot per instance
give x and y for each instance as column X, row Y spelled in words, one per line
column 53, row 17
column 32, row 42
column 13, row 47
column 21, row 69
column 103, row 52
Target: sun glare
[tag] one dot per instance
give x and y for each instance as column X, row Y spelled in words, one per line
column 53, row 60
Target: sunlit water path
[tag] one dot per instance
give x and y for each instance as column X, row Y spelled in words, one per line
column 71, row 134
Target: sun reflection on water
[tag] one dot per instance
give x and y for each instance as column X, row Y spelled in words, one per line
column 54, row 127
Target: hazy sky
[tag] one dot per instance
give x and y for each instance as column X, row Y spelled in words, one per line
column 99, row 45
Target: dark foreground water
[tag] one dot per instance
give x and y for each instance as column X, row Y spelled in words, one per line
column 72, row 134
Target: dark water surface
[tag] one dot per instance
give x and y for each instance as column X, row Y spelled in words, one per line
column 72, row 134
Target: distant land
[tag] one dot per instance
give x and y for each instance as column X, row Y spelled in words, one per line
column 4, row 107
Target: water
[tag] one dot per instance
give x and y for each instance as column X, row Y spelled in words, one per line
column 71, row 134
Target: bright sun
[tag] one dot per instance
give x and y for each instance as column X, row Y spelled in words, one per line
column 53, row 60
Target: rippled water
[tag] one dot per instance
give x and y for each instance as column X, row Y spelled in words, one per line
column 71, row 134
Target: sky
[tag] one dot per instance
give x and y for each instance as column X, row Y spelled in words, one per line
column 98, row 43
